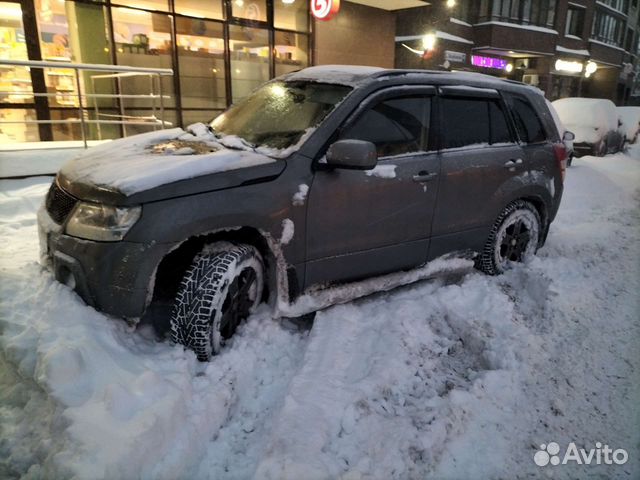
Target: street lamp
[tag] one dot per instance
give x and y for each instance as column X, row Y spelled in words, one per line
column 429, row 42
column 451, row 3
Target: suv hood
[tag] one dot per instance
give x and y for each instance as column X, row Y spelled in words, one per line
column 162, row 164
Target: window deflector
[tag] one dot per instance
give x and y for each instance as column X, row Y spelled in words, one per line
column 390, row 93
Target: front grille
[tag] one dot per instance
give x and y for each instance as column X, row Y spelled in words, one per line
column 59, row 203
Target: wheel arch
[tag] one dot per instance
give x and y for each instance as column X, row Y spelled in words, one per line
column 541, row 208
column 173, row 266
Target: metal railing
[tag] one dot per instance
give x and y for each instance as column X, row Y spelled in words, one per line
column 112, row 72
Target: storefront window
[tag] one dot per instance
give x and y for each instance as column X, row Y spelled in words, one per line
column 201, row 57
column 143, row 39
column 250, row 9
column 15, row 82
column 200, row 8
column 290, row 52
column 291, row 15
column 249, row 59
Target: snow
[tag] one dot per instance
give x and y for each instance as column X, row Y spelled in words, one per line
column 341, row 74
column 301, row 195
column 588, row 118
column 533, row 28
column 129, row 166
column 630, row 117
column 439, row 34
column 581, row 53
column 459, row 22
column 288, row 229
column 38, row 158
column 461, row 376
column 382, row 171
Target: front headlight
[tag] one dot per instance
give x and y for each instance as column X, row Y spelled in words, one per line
column 101, row 222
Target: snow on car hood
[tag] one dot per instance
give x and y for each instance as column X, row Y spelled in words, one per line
column 135, row 164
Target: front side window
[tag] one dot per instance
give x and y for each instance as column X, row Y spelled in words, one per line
column 473, row 121
column 528, row 124
column 279, row 113
column 396, row 126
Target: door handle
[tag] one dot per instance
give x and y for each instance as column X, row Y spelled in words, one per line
column 513, row 163
column 424, row 177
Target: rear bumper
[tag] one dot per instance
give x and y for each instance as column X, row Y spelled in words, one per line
column 114, row 277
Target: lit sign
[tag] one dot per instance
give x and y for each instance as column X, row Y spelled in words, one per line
column 567, row 66
column 324, row 9
column 489, row 62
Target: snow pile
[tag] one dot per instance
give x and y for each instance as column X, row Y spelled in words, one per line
column 630, row 117
column 590, row 119
column 459, row 377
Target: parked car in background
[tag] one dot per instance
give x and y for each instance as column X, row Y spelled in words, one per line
column 566, row 136
column 322, row 177
column 595, row 124
column 630, row 118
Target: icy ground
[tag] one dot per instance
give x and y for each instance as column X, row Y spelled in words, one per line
column 457, row 378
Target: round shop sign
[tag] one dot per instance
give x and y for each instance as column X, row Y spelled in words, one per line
column 324, row 9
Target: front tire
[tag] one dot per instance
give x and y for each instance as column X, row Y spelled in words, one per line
column 514, row 238
column 220, row 289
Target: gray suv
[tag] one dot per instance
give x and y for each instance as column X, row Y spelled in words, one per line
column 322, row 177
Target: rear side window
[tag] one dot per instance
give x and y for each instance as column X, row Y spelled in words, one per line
column 473, row 121
column 528, row 124
column 396, row 126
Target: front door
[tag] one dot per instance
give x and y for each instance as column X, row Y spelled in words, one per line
column 366, row 223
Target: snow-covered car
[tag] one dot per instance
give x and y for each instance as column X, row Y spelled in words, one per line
column 566, row 136
column 322, row 177
column 630, row 118
column 595, row 124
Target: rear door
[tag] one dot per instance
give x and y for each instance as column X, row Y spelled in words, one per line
column 479, row 154
column 366, row 223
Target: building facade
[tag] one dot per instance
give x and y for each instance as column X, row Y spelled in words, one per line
column 566, row 48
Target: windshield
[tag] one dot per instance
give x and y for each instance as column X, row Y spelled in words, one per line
column 279, row 113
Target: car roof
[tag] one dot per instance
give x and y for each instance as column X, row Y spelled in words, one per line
column 356, row 76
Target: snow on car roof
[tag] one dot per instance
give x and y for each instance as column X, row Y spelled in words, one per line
column 358, row 75
column 342, row 74
column 592, row 112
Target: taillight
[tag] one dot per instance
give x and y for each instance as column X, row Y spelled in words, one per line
column 560, row 152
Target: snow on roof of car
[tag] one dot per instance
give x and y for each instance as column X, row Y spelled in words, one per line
column 342, row 74
column 358, row 75
column 597, row 112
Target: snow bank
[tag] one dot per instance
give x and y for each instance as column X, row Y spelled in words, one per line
column 630, row 117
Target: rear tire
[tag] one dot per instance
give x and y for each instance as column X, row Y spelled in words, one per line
column 220, row 289
column 514, row 238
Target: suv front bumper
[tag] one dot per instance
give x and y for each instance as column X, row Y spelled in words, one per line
column 114, row 277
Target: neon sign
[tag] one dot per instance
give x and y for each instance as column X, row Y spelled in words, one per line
column 489, row 62
column 324, row 9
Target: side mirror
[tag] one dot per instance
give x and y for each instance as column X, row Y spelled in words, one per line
column 568, row 137
column 352, row 155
